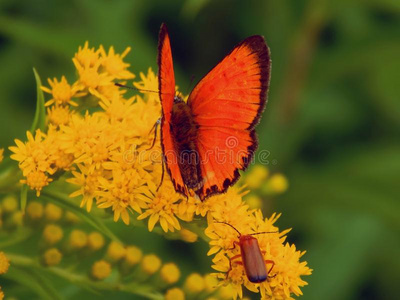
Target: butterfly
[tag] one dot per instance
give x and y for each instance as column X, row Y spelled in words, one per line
column 209, row 138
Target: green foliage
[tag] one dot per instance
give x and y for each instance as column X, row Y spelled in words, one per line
column 331, row 124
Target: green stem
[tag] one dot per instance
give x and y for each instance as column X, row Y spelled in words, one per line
column 133, row 288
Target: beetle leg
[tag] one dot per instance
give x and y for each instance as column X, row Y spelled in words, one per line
column 267, row 261
column 230, row 264
column 234, row 245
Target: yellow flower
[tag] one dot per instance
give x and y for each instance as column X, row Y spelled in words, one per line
column 59, row 115
column 113, row 63
column 77, row 239
column 133, row 256
column 150, row 264
column 62, row 92
column 91, row 79
column 285, row 277
column 163, row 208
column 175, row 294
column 115, row 251
column 149, row 86
column 34, row 155
column 52, row 234
column 194, row 283
column 1, row 154
column 9, row 204
column 34, row 210
column 87, row 56
column 95, row 241
column 170, row 273
column 101, row 270
column 4, row 263
column 53, row 212
column 52, row 257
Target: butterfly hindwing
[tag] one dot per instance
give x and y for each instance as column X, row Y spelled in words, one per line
column 226, row 105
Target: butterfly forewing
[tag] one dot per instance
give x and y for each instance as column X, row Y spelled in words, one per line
column 166, row 83
column 227, row 104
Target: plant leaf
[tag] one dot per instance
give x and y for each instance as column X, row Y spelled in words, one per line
column 40, row 114
column 24, row 196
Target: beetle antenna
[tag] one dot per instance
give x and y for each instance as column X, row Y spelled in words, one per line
column 230, row 226
column 264, row 232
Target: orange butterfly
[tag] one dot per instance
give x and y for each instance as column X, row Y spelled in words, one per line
column 209, row 138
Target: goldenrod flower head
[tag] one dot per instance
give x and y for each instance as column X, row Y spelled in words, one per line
column 52, row 257
column 101, row 270
column 53, row 212
column 1, row 154
column 133, row 255
column 16, row 219
column 285, row 275
column 59, row 115
column 253, row 201
column 77, row 239
column 174, row 294
column 62, row 92
column 188, row 236
column 148, row 82
column 113, row 63
column 276, row 184
column 170, row 273
column 226, row 292
column 1, row 294
column 211, row 283
column 194, row 283
column 162, row 209
column 4, row 263
column 95, row 241
column 87, row 56
column 256, row 176
column 115, row 251
column 34, row 210
column 71, row 217
column 150, row 264
column 52, row 234
column 9, row 204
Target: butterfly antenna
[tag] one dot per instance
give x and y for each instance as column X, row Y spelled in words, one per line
column 230, row 226
column 133, row 88
column 190, row 84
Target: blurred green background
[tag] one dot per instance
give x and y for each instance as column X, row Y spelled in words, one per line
column 331, row 123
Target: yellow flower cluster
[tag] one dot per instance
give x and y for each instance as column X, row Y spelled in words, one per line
column 284, row 278
column 4, row 264
column 101, row 139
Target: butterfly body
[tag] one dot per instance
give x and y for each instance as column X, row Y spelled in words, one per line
column 184, row 133
column 209, row 138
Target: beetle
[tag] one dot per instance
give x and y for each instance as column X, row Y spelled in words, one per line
column 252, row 261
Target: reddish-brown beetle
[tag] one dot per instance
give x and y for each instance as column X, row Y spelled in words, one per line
column 253, row 261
